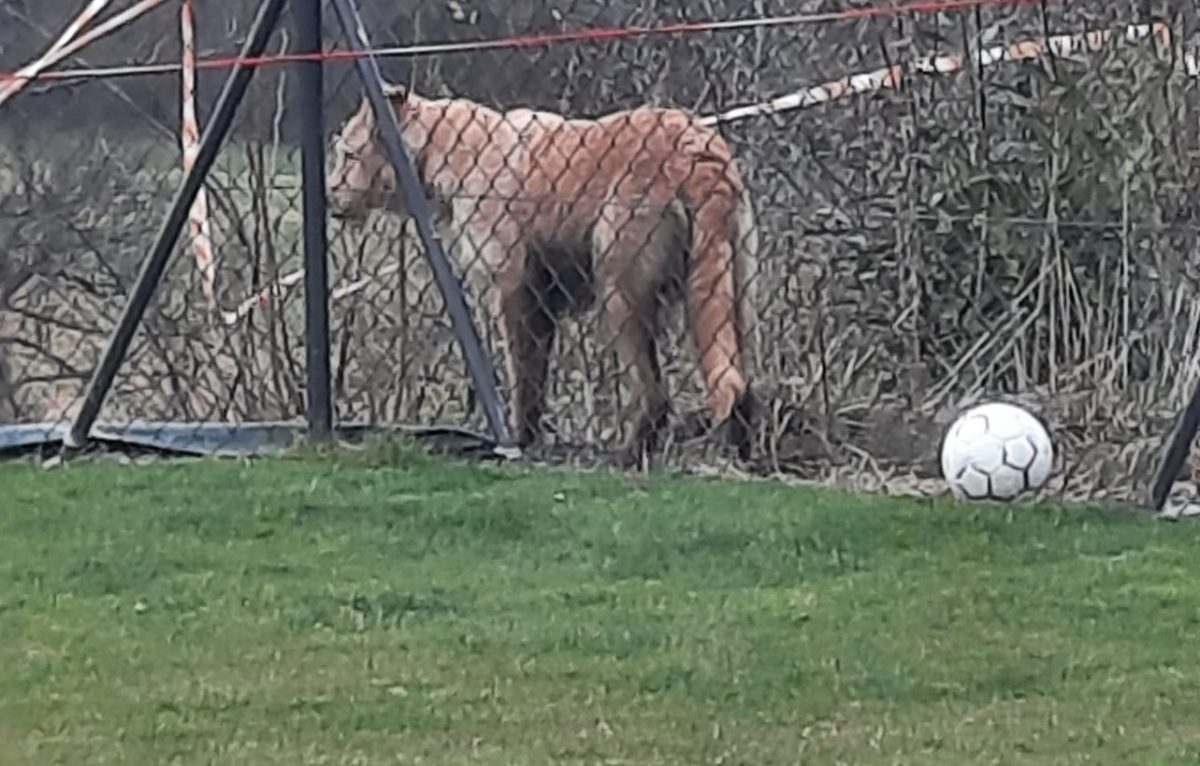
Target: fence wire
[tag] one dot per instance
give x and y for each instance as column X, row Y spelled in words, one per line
column 1024, row 230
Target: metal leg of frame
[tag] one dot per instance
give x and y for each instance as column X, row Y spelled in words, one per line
column 1181, row 444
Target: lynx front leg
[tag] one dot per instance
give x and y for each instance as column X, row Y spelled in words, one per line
column 529, row 331
column 498, row 256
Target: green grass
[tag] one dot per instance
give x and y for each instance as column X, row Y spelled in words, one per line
column 389, row 608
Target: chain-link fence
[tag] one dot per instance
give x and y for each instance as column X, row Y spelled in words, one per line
column 988, row 200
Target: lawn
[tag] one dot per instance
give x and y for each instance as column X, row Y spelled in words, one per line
column 385, row 607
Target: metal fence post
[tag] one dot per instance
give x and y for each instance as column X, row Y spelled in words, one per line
column 310, row 113
column 1182, row 437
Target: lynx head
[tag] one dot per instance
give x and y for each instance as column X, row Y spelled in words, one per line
column 362, row 178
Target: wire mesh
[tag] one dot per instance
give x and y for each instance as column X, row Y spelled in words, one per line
column 1022, row 229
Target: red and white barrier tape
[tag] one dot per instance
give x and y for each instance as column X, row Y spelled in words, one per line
column 81, row 22
column 890, row 77
column 198, row 224
column 290, row 280
column 64, row 48
column 30, row 71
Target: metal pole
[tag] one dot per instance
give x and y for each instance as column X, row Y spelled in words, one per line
column 479, row 364
column 310, row 111
column 1177, row 452
column 168, row 236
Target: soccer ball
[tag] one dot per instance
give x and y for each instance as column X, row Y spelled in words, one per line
column 996, row 451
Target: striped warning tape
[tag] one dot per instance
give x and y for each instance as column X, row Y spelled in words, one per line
column 891, row 77
column 291, row 279
column 198, row 223
column 12, row 85
column 29, row 72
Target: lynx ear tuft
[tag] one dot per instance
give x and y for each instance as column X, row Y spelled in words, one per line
column 395, row 92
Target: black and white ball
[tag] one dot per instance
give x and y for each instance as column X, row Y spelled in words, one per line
column 996, row 451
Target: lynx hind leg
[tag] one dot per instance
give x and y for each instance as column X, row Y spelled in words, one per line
column 630, row 325
column 634, row 256
column 529, row 331
column 525, row 334
column 741, row 429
